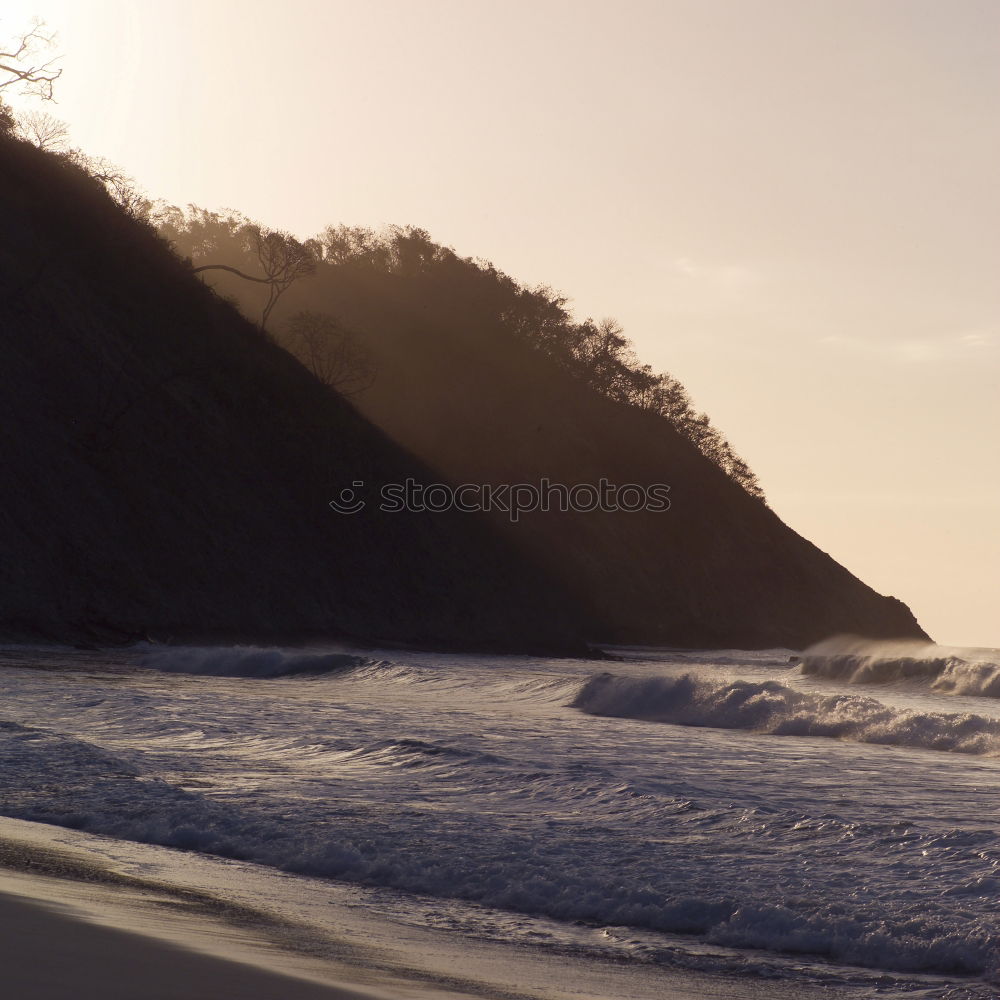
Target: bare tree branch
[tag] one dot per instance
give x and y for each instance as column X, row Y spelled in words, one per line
column 122, row 188
column 284, row 260
column 21, row 65
column 330, row 351
column 226, row 267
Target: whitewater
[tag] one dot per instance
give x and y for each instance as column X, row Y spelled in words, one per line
column 819, row 822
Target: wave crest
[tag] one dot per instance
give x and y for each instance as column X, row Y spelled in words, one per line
column 775, row 709
column 854, row 661
column 248, row 661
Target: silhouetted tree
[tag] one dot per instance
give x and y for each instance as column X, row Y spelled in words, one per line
column 42, row 130
column 196, row 233
column 284, row 260
column 281, row 257
column 330, row 351
column 23, row 66
column 539, row 316
column 355, row 246
column 8, row 123
column 123, row 189
column 404, row 266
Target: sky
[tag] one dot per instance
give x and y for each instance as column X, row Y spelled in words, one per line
column 790, row 205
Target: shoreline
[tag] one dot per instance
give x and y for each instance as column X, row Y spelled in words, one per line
column 86, row 917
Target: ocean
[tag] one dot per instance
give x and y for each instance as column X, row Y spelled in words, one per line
column 761, row 821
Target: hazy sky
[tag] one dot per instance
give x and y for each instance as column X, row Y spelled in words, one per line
column 792, row 205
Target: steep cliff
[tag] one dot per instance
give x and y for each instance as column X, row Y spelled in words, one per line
column 167, row 469
column 461, row 385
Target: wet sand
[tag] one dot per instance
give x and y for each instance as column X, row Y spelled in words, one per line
column 90, row 918
column 46, row 954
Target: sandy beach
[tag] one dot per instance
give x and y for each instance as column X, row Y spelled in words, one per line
column 92, row 918
column 51, row 955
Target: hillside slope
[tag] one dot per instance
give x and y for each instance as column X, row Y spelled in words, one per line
column 167, row 469
column 456, row 388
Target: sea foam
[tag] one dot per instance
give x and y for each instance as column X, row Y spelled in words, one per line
column 454, row 783
column 776, row 709
column 859, row 661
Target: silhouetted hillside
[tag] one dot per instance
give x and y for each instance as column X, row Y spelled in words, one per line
column 167, row 468
column 490, row 382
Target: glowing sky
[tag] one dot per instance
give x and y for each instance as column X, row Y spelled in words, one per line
column 792, row 205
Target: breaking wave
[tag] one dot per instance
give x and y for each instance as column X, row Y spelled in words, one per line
column 673, row 886
column 854, row 661
column 248, row 661
column 775, row 709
